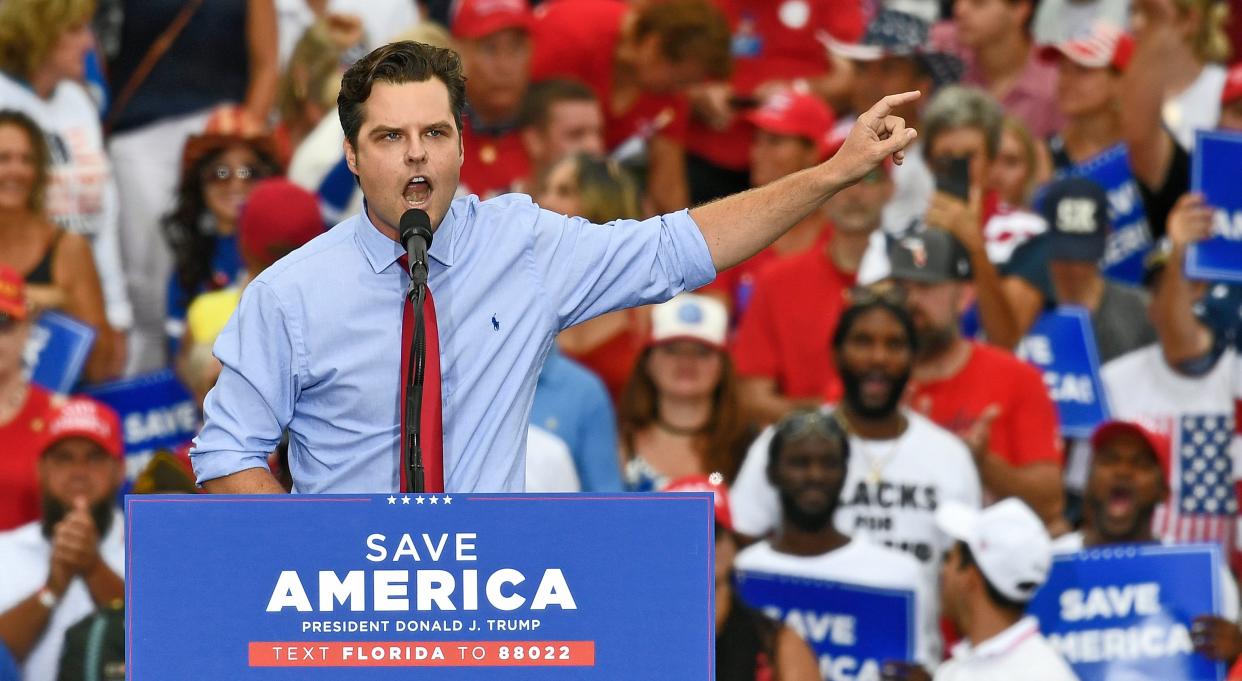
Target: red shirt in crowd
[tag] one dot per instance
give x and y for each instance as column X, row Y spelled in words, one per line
column 786, row 334
column 493, row 163
column 613, row 360
column 773, row 40
column 1025, row 431
column 578, row 41
column 738, row 282
column 21, row 443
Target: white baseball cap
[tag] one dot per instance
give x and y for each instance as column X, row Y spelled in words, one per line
column 1009, row 543
column 690, row 316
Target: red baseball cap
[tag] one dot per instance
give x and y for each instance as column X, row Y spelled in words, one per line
column 1159, row 441
column 1104, row 45
column 278, row 217
column 1233, row 85
column 797, row 114
column 83, row 417
column 702, row 483
column 480, row 18
column 12, row 293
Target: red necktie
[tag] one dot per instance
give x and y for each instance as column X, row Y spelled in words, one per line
column 431, row 437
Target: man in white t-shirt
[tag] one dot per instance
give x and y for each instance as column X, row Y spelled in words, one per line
column 903, row 465
column 62, row 567
column 1128, row 478
column 1001, row 558
column 808, row 460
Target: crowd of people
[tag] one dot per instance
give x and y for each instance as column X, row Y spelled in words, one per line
column 856, row 393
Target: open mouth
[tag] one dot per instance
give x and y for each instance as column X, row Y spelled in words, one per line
column 417, row 191
column 875, row 385
column 1120, row 502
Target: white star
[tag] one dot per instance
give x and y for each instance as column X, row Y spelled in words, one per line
column 392, row 500
column 435, row 500
column 405, row 500
column 419, row 500
column 447, row 500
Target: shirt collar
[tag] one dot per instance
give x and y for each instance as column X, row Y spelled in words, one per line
column 381, row 252
column 1001, row 644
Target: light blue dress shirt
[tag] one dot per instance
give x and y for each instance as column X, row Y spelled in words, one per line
column 315, row 345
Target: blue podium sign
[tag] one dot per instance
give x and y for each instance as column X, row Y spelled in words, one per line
column 56, row 351
column 1216, row 174
column 1130, row 238
column 1125, row 612
column 853, row 630
column 1061, row 345
column 367, row 587
column 156, row 412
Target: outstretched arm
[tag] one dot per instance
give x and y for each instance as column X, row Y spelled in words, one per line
column 739, row 226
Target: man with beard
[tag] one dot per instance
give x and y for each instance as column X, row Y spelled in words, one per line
column 1130, row 463
column 808, row 463
column 904, row 466
column 994, row 401
column 64, row 566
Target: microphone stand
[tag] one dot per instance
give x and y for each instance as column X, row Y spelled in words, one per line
column 413, row 450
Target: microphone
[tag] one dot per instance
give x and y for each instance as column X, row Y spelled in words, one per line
column 415, row 231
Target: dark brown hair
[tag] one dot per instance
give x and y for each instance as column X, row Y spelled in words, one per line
column 541, row 97
column 693, row 30
column 722, row 443
column 42, row 155
column 400, row 62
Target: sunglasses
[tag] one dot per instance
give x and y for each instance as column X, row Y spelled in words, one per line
column 814, row 422
column 877, row 293
column 224, row 173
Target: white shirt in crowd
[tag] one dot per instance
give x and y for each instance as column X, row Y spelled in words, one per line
column 858, row 563
column 913, row 186
column 81, row 194
column 891, row 492
column 25, row 553
column 1019, row 653
column 1073, row 543
column 1141, row 385
column 381, row 20
column 549, row 463
column 1197, row 107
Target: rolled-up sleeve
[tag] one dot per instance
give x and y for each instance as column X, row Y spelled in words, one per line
column 253, row 401
column 588, row 269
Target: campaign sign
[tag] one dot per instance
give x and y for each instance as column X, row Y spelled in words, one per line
column 1130, row 238
column 853, row 630
column 156, row 412
column 1061, row 345
column 465, row 586
column 1215, row 174
column 56, row 351
column 1125, row 612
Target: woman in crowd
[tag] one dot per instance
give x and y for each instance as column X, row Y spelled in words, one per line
column 680, row 415
column 1089, row 72
column 57, row 265
column 43, row 51
column 311, row 80
column 219, row 170
column 1020, row 164
column 600, row 191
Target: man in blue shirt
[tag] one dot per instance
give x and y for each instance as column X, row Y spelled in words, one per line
column 314, row 347
column 573, row 404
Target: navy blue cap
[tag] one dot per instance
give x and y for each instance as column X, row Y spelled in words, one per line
column 1076, row 210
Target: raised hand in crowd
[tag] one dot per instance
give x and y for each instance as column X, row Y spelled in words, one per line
column 75, row 547
column 962, row 219
column 1181, row 335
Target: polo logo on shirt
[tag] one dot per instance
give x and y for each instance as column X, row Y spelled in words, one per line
column 495, row 323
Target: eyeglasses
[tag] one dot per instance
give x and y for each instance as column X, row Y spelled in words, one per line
column 877, row 293
column 811, row 422
column 223, row 173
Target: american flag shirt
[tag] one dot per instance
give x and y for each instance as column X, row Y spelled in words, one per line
column 1199, row 415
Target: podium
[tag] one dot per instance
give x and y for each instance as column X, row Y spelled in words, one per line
column 444, row 586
